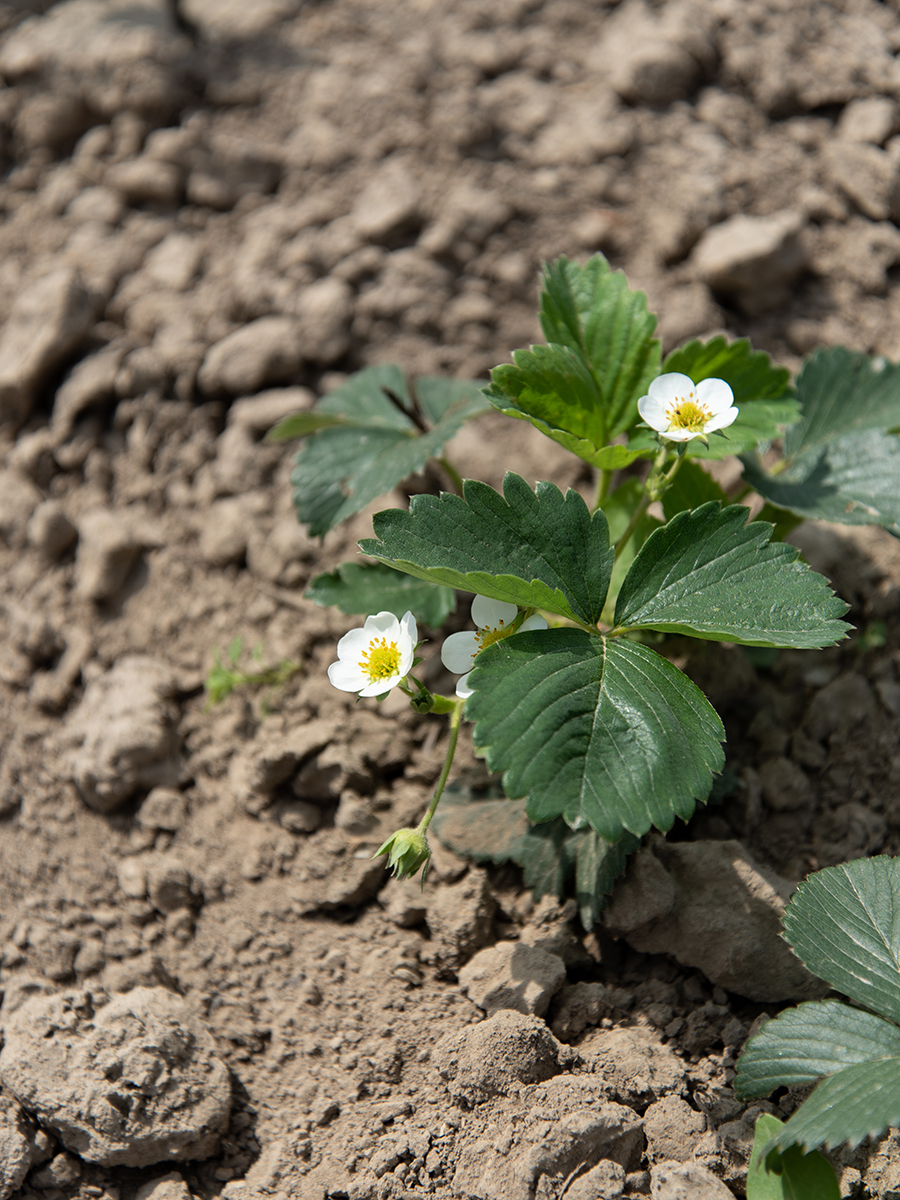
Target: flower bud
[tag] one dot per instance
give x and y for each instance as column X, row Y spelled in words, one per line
column 407, row 850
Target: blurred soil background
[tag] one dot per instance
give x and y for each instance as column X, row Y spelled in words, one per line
column 211, row 211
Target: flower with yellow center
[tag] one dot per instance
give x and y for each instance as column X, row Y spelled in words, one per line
column 679, row 409
column 494, row 619
column 374, row 659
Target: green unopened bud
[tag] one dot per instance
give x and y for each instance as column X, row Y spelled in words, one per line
column 407, row 850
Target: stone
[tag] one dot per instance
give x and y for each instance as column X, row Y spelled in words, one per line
column 865, row 173
column 606, row 1181
column 163, row 808
column 512, row 975
column 112, row 55
column 784, row 786
column 324, row 310
column 50, row 531
column 578, row 1005
column 16, row 1132
column 109, row 543
column 19, row 498
column 264, row 351
column 234, row 20
column 168, row 884
column 713, row 907
column 686, row 1181
column 753, row 259
column 389, row 201
column 870, row 119
column 173, row 262
column 166, row 1187
column 840, row 707
column 403, row 902
column 91, row 381
column 487, row 1059
column 49, row 318
column 226, row 528
column 132, row 876
column 358, row 880
column 461, row 918
column 124, row 733
column 62, row 1170
column 672, row 1129
column 276, row 555
column 132, row 1083
column 256, row 772
column 633, row 1064
column 146, row 180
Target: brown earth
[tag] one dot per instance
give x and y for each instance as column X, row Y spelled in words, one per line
column 354, row 183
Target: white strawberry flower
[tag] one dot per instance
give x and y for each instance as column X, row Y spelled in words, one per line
column 679, row 409
column 494, row 619
column 374, row 659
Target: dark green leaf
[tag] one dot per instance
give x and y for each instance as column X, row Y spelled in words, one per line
column 299, row 425
column 690, row 488
column 592, row 310
column 855, row 1103
column 788, row 1174
column 842, row 465
column 844, row 924
column 582, row 389
column 598, row 730
column 538, row 549
column 373, row 442
column 709, row 574
column 372, row 588
column 762, row 392
column 597, row 865
column 814, row 1039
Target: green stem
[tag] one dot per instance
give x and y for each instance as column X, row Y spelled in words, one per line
column 603, row 479
column 455, row 720
column 452, row 473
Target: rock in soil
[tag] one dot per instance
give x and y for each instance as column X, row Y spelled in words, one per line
column 512, row 975
column 134, row 1082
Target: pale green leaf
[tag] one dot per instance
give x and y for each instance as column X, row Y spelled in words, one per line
column 858, row 1102
column 789, row 1174
column 540, row 549
column 366, row 588
column 601, row 731
column 710, row 574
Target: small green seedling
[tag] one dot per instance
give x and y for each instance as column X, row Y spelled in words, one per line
column 844, row 925
column 595, row 731
column 787, row 1174
column 225, row 677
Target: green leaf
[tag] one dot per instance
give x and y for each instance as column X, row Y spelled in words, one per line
column 372, row 588
column 859, row 1102
column 843, row 464
column 710, row 574
column 691, row 487
column 372, row 442
column 582, row 389
column 787, row 1175
column 299, row 425
column 844, row 924
column 762, row 392
column 619, row 507
column 538, row 549
column 592, row 310
column 817, row 1038
column 486, row 829
column 598, row 730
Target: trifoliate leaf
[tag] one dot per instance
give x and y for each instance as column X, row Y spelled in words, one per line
column 368, row 588
column 816, row 1038
column 598, row 730
column 372, row 434
column 789, row 1174
column 842, row 463
column 844, row 924
column 709, row 574
column 762, row 392
column 582, row 389
column 853, row 1104
column 540, row 549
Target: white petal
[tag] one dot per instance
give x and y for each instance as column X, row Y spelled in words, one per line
column 462, row 688
column 671, row 387
column 681, row 435
column 721, row 420
column 458, row 651
column 653, row 411
column 409, row 636
column 534, row 622
column 490, row 614
column 715, row 394
column 347, row 678
column 353, row 645
column 379, row 687
column 383, row 624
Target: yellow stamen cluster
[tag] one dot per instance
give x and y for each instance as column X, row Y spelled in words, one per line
column 383, row 659
column 688, row 414
column 488, row 635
